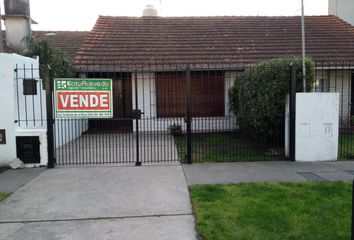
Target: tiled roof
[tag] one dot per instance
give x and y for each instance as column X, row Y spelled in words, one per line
column 67, row 41
column 213, row 40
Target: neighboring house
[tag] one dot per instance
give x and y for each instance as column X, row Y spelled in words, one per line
column 343, row 9
column 67, row 41
column 18, row 24
column 23, row 125
column 159, row 49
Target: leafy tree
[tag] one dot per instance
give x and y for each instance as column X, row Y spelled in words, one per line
column 60, row 64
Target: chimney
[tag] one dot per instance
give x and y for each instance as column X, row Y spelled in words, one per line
column 149, row 11
column 18, row 22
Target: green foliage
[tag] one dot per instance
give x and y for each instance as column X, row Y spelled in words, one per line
column 267, row 211
column 224, row 147
column 174, row 126
column 60, row 64
column 258, row 96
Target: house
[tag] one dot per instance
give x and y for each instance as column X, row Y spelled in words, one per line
column 158, row 49
column 343, row 9
column 23, row 119
column 18, row 23
column 23, row 126
column 66, row 41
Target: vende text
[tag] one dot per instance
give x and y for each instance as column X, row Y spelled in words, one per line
column 83, row 101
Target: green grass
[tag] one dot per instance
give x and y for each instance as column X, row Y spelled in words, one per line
column 346, row 146
column 226, row 147
column 231, row 147
column 264, row 211
column 3, row 196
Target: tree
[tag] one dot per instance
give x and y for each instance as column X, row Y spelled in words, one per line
column 60, row 64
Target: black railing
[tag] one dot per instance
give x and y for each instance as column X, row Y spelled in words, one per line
column 186, row 116
column 30, row 97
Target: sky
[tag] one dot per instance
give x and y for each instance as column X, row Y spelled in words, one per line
column 82, row 14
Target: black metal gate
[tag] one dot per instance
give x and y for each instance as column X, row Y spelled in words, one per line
column 161, row 115
column 129, row 138
column 166, row 114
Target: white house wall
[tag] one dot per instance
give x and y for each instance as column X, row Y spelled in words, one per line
column 7, row 106
column 12, row 105
column 343, row 9
column 67, row 130
column 147, row 104
column 339, row 81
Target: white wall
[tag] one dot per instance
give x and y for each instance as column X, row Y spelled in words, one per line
column 16, row 29
column 343, row 9
column 67, row 130
column 7, row 108
column 316, row 127
column 147, row 103
column 11, row 96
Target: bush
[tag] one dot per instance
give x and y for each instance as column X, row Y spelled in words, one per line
column 258, row 96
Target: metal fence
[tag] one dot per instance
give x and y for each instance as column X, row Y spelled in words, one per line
column 30, row 98
column 185, row 116
column 340, row 78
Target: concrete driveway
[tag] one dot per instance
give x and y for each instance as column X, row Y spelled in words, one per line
column 149, row 202
column 119, row 148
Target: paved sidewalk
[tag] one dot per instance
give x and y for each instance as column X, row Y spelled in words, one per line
column 209, row 173
column 11, row 180
column 135, row 203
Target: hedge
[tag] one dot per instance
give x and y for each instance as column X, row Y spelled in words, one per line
column 257, row 97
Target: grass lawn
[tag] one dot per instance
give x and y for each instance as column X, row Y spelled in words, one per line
column 296, row 211
column 231, row 147
column 3, row 196
column 225, row 147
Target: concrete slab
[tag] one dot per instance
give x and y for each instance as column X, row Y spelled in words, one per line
column 209, row 173
column 279, row 171
column 312, row 176
column 77, row 193
column 118, row 148
column 336, row 176
column 341, row 165
column 12, row 180
column 162, row 228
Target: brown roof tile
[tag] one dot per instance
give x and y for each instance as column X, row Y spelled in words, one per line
column 213, row 40
column 66, row 41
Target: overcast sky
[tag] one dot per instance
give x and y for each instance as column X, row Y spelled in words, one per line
column 82, row 14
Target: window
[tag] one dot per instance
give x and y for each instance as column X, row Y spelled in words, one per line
column 322, row 85
column 29, row 87
column 207, row 94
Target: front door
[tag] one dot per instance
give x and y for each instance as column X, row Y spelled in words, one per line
column 122, row 109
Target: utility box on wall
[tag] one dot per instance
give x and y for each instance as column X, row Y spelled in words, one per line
column 316, row 127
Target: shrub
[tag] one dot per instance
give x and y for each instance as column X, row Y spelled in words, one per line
column 258, row 96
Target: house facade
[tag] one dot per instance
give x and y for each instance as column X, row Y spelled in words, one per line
column 155, row 51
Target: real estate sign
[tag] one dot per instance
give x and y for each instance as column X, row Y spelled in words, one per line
column 83, row 98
